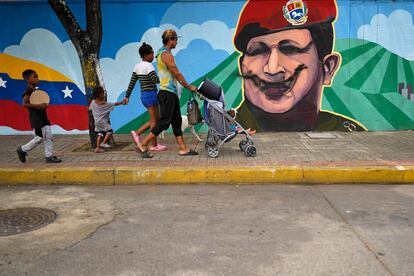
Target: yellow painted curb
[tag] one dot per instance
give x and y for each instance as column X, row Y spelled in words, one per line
column 78, row 176
column 367, row 175
column 408, row 174
column 209, row 175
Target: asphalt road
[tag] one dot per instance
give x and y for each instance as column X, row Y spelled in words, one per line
column 214, row 230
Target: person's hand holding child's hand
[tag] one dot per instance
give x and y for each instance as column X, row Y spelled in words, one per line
column 192, row 88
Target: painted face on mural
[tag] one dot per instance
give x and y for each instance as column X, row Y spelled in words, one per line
column 287, row 57
column 280, row 69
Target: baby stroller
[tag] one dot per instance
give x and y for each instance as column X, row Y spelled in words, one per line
column 222, row 127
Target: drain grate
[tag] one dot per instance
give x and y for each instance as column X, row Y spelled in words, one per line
column 22, row 220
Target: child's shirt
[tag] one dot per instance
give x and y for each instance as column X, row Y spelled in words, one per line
column 38, row 117
column 145, row 73
column 101, row 115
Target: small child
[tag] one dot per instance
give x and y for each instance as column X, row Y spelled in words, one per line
column 233, row 112
column 38, row 121
column 100, row 110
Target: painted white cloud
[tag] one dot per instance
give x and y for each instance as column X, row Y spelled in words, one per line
column 214, row 32
column 395, row 32
column 45, row 47
column 117, row 72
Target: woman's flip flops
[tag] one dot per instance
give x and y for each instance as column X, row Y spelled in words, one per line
column 189, row 153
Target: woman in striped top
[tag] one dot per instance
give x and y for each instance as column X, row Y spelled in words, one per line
column 148, row 79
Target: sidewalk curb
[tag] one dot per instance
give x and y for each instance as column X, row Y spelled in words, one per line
column 210, row 175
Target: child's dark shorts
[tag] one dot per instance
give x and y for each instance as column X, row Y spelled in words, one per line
column 149, row 98
column 103, row 133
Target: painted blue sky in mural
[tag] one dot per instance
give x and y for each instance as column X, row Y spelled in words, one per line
column 122, row 26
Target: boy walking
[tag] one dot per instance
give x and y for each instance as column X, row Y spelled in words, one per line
column 101, row 110
column 38, row 121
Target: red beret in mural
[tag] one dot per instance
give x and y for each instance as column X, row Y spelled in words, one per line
column 260, row 17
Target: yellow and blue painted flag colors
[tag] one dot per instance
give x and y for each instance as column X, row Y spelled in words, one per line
column 68, row 106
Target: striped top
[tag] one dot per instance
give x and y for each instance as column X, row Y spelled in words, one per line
column 167, row 80
column 145, row 73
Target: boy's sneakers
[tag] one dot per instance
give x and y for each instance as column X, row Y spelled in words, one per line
column 135, row 137
column 53, row 159
column 106, row 146
column 99, row 150
column 21, row 154
column 158, row 147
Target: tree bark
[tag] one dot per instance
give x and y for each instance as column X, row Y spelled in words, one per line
column 87, row 43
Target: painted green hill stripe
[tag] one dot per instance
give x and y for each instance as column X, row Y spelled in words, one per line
column 393, row 114
column 404, row 105
column 362, row 110
column 412, row 65
column 355, row 52
column 238, row 99
column 358, row 79
column 221, row 67
column 408, row 72
column 343, row 44
column 336, row 103
column 401, row 73
column 325, row 103
column 373, row 83
column 229, row 80
column 348, row 70
column 365, row 112
column 390, row 79
column 231, row 70
column 233, row 92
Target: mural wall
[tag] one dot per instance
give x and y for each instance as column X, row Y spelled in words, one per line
column 286, row 65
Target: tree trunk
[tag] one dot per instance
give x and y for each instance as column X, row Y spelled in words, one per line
column 92, row 78
column 87, row 43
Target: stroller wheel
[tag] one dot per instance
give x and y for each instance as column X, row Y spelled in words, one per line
column 250, row 151
column 213, row 152
column 208, row 145
column 243, row 144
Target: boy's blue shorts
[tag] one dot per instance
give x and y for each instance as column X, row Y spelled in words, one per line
column 149, row 98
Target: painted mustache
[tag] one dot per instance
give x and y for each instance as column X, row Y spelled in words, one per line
column 275, row 89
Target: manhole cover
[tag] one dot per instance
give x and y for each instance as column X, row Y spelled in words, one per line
column 21, row 220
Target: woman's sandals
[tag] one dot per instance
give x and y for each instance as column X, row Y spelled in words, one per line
column 144, row 151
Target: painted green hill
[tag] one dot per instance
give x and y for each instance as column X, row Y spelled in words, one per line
column 365, row 88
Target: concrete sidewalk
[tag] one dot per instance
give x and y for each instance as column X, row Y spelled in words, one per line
column 367, row 157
